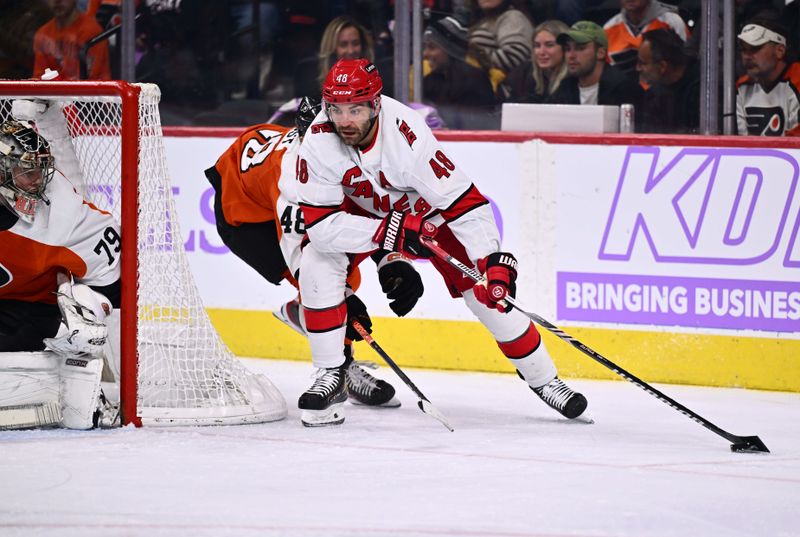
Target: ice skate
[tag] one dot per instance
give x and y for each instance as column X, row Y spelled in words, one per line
column 561, row 398
column 364, row 389
column 322, row 404
column 289, row 314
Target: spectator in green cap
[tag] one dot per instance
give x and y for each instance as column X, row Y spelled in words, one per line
column 590, row 80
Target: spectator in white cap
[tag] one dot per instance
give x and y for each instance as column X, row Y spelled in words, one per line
column 767, row 97
column 461, row 92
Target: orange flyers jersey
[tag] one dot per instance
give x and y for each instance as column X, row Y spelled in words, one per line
column 250, row 170
column 69, row 235
column 623, row 44
column 59, row 49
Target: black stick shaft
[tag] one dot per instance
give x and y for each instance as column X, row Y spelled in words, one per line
column 753, row 442
column 396, row 368
column 424, row 403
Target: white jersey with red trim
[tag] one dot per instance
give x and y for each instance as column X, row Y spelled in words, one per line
column 68, row 235
column 405, row 169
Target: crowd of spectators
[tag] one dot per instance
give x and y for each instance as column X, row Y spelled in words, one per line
column 237, row 62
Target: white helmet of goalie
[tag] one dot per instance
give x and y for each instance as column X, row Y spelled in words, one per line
column 26, row 168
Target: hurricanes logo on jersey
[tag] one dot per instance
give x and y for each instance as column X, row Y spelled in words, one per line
column 763, row 121
column 407, row 133
column 5, row 276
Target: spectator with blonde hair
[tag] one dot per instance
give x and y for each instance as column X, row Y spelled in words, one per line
column 536, row 80
column 344, row 38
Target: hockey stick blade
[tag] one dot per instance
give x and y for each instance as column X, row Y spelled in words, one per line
column 741, row 444
column 424, row 404
column 749, row 444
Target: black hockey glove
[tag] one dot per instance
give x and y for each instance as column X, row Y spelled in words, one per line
column 400, row 281
column 401, row 232
column 356, row 311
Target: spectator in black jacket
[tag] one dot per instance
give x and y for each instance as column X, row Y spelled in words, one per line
column 672, row 101
column 462, row 93
column 590, row 79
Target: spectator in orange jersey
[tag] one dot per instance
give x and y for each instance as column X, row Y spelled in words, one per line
column 57, row 44
column 768, row 96
column 625, row 29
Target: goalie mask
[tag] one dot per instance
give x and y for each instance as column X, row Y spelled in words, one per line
column 26, row 168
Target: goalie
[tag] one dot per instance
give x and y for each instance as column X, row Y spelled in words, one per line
column 59, row 280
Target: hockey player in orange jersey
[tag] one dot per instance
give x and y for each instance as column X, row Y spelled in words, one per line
column 59, row 275
column 259, row 220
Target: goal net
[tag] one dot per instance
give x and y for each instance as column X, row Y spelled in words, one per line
column 175, row 369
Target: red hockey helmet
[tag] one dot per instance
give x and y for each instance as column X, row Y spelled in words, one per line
column 352, row 81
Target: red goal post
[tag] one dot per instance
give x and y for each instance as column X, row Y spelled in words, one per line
column 174, row 368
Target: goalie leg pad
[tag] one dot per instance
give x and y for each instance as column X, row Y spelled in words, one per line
column 29, row 390
column 80, row 391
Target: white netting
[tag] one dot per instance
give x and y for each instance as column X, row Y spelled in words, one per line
column 186, row 373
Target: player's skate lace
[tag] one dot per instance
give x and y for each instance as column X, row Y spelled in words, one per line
column 328, row 389
column 562, row 398
column 326, row 382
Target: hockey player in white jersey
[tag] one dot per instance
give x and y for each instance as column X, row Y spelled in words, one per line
column 59, row 281
column 258, row 218
column 377, row 153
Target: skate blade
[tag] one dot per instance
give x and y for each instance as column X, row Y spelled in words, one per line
column 583, row 418
column 278, row 314
column 394, row 402
column 333, row 415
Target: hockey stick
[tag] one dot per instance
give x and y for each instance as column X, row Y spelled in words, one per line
column 750, row 444
column 424, row 404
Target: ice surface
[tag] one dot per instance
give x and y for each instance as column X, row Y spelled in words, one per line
column 511, row 468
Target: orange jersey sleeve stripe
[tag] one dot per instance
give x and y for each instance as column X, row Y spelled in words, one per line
column 33, row 267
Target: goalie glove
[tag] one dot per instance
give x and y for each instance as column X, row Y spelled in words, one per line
column 400, row 281
column 499, row 280
column 400, row 232
column 83, row 331
column 356, row 311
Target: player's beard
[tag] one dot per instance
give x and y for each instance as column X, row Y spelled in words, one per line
column 354, row 134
